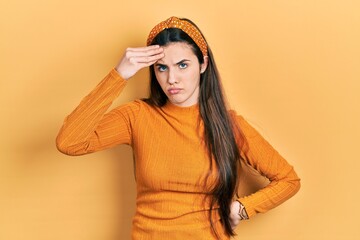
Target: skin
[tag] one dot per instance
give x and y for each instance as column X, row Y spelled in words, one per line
column 177, row 70
column 178, row 74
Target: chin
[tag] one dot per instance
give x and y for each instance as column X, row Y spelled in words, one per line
column 175, row 101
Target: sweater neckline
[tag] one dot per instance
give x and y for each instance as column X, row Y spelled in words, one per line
column 181, row 110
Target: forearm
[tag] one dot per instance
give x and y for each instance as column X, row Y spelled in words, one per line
column 261, row 156
column 272, row 195
column 79, row 126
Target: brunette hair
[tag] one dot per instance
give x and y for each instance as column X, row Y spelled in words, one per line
column 220, row 130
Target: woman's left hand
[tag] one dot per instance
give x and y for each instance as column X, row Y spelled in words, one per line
column 234, row 214
column 237, row 213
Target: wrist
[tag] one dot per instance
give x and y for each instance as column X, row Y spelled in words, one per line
column 121, row 74
column 242, row 212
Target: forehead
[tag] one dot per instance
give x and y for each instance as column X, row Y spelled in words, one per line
column 177, row 51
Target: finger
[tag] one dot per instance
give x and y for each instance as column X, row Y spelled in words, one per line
column 142, row 65
column 148, row 59
column 141, row 49
column 145, row 53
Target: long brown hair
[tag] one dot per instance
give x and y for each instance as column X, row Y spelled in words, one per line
column 219, row 127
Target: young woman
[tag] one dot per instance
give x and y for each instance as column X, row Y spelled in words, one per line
column 188, row 146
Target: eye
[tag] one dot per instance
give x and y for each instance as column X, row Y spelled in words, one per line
column 182, row 65
column 161, row 68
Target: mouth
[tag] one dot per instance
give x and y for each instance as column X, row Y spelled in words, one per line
column 173, row 91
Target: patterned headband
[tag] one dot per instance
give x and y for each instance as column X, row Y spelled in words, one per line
column 185, row 26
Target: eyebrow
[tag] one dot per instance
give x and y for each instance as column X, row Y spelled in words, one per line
column 182, row 61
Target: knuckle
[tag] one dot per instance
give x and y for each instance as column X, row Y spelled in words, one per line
column 132, row 60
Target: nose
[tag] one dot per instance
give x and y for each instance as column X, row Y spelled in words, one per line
column 171, row 77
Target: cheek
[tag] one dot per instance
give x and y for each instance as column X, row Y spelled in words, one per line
column 161, row 80
column 193, row 78
column 158, row 77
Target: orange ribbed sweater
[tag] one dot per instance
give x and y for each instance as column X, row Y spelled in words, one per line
column 170, row 161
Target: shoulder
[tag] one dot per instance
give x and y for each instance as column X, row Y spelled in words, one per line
column 239, row 119
column 244, row 126
column 135, row 107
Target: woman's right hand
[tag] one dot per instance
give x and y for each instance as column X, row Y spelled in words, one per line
column 135, row 59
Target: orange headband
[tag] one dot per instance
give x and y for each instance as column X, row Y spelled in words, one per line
column 186, row 26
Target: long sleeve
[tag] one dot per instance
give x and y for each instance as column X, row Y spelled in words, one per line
column 89, row 128
column 284, row 182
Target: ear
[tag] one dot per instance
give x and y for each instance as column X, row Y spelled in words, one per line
column 204, row 64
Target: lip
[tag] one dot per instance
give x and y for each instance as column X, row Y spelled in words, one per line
column 174, row 91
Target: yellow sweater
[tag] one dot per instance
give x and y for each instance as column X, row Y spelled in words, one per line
column 170, row 161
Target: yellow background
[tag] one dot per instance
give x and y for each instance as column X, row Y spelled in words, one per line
column 292, row 68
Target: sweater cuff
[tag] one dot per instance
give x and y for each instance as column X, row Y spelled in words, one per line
column 115, row 74
column 249, row 210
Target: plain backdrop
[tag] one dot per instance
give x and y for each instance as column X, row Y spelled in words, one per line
column 291, row 68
